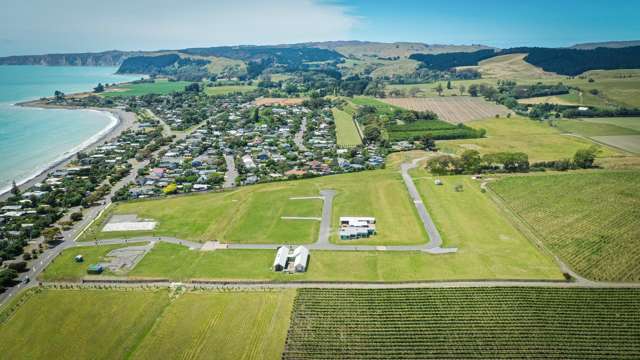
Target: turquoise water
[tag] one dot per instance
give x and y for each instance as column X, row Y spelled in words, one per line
column 31, row 139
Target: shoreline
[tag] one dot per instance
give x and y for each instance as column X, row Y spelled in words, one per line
column 123, row 120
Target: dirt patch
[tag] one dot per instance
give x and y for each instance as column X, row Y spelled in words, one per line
column 453, row 109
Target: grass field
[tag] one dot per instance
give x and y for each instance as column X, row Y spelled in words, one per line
column 160, row 87
column 472, row 222
column 480, row 323
column 109, row 324
column 510, row 67
column 620, row 134
column 573, row 98
column 539, row 140
column 591, row 220
column 73, row 324
column 248, row 215
column 240, row 325
column 252, row 214
column 459, row 109
column 65, row 268
column 346, row 132
column 228, row 89
column 625, row 122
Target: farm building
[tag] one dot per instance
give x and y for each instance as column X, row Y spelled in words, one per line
column 95, row 269
column 291, row 261
column 280, row 263
column 356, row 227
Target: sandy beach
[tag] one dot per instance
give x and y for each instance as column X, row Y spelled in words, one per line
column 124, row 120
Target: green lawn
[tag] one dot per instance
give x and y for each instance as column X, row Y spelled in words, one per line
column 65, row 268
column 539, row 140
column 346, row 131
column 228, row 89
column 617, row 133
column 110, row 324
column 472, row 222
column 178, row 263
column 253, row 214
column 625, row 122
column 158, row 87
column 590, row 219
column 87, row 324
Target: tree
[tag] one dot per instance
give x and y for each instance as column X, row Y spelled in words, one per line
column 99, row 88
column 442, row 165
column 15, row 190
column 462, row 89
column 51, row 234
column 427, row 142
column 59, row 95
column 585, row 158
column 473, row 90
column 256, row 115
column 449, row 84
column 439, row 89
column 76, row 216
column 470, row 161
column 414, row 91
column 7, row 277
column 372, row 133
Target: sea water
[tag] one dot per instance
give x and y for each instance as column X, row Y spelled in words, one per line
column 32, row 139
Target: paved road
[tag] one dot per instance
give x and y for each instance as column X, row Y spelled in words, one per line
column 231, row 174
column 435, row 241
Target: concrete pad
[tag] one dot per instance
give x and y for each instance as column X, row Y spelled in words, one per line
column 130, row 226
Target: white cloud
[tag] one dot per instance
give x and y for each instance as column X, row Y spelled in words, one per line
column 39, row 26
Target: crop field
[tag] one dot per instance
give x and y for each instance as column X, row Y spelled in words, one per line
column 160, row 87
column 228, row 89
column 456, row 323
column 630, row 143
column 459, row 109
column 115, row 324
column 486, row 233
column 591, row 220
column 539, row 140
column 437, row 129
column 346, row 132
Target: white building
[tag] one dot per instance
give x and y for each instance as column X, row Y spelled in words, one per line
column 301, row 257
column 280, row 263
column 352, row 227
column 248, row 162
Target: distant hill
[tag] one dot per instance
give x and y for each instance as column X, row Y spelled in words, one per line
column 608, row 44
column 562, row 61
column 360, row 49
column 106, row 58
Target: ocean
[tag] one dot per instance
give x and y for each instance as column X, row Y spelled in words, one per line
column 32, row 139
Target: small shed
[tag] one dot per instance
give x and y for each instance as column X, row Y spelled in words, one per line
column 79, row 258
column 280, row 263
column 438, row 182
column 301, row 255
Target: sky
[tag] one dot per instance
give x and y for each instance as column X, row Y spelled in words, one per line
column 46, row 26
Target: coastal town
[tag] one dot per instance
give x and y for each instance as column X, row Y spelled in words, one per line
column 180, row 143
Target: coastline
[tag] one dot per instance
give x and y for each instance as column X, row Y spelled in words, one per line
column 122, row 120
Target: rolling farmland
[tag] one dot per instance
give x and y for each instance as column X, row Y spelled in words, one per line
column 160, row 87
column 591, row 220
column 454, row 109
column 454, row 323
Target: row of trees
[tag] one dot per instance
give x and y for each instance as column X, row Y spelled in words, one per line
column 471, row 162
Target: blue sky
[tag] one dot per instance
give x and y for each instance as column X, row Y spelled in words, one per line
column 45, row 26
